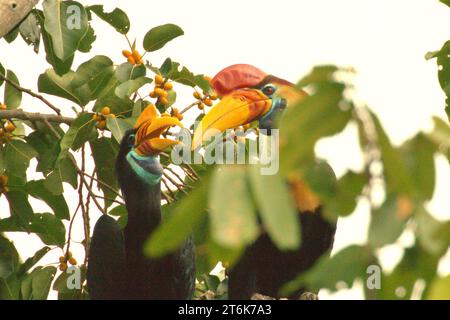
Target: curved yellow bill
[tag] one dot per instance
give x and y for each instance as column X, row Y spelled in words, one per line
column 147, row 140
column 148, row 114
column 236, row 109
column 155, row 127
column 155, row 146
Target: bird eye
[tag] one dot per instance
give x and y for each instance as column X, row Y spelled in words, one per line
column 131, row 139
column 269, row 90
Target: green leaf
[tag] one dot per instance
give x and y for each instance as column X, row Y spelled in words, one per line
column 440, row 287
column 232, row 213
column 327, row 272
column 64, row 291
column 49, row 229
column 18, row 155
column 42, row 279
column 276, row 207
column 118, row 211
column 30, row 262
column 9, row 258
column 415, row 265
column 30, row 31
column 118, row 127
column 60, row 67
column 323, row 74
column 10, row 288
column 127, row 71
column 171, row 70
column 92, row 77
column 67, row 23
column 87, row 41
column 61, row 86
column 64, row 171
column 387, row 223
column 47, row 148
column 117, row 18
column 398, row 179
column 13, row 97
column 432, row 235
column 441, row 135
column 443, row 62
column 58, row 204
column 80, row 131
column 104, row 151
column 108, row 98
column 344, row 201
column 2, row 72
column 157, row 37
column 319, row 175
column 419, row 155
column 129, row 87
column 313, row 118
column 12, row 35
column 20, row 208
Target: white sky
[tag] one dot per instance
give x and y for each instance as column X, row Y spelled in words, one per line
column 384, row 40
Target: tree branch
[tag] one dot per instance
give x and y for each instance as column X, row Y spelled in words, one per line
column 31, row 93
column 32, row 116
column 12, row 12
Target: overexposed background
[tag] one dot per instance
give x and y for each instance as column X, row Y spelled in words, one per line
column 384, row 40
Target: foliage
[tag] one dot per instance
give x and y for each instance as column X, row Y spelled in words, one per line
column 221, row 204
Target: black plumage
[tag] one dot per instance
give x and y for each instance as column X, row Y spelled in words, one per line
column 264, row 268
column 169, row 277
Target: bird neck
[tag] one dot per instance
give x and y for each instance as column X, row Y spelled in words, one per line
column 139, row 178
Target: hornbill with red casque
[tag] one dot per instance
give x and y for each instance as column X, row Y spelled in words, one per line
column 117, row 266
column 249, row 94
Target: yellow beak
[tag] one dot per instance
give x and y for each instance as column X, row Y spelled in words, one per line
column 149, row 129
column 236, row 109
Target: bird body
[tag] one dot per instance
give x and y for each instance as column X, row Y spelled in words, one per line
column 139, row 174
column 264, row 268
column 249, row 94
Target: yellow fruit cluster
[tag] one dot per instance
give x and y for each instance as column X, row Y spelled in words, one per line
column 6, row 131
column 176, row 113
column 100, row 117
column 204, row 99
column 3, row 106
column 3, row 184
column 135, row 58
column 161, row 90
column 64, row 260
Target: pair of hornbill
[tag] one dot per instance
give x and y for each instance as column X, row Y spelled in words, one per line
column 118, row 268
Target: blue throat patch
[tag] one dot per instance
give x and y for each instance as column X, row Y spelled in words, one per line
column 147, row 168
column 278, row 105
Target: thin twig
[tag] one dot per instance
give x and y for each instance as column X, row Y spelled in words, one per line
column 31, row 93
column 86, row 211
column 90, row 192
column 176, row 175
column 193, row 104
column 83, row 212
column 165, row 196
column 177, row 185
column 172, row 195
column 104, row 184
column 69, row 236
column 109, row 199
column 33, row 116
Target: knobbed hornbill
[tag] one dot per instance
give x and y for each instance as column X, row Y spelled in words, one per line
column 249, row 94
column 117, row 267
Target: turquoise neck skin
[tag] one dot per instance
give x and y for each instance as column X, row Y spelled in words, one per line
column 137, row 161
column 266, row 121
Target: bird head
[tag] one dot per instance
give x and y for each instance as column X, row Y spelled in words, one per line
column 144, row 143
column 247, row 94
